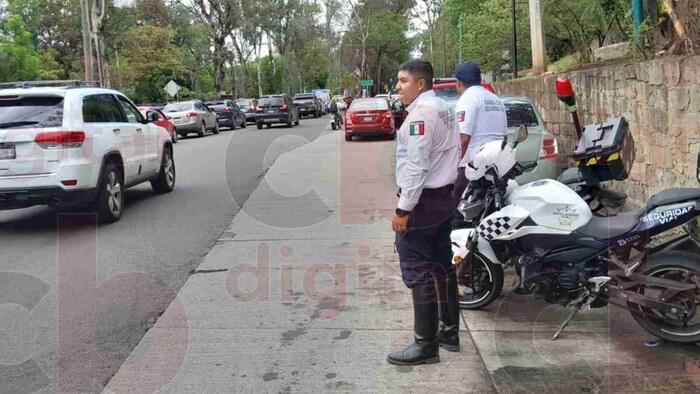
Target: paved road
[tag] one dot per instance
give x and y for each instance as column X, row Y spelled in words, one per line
column 79, row 296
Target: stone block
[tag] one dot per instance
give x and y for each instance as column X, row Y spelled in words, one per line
column 690, row 70
column 678, row 98
column 659, row 119
column 642, row 72
column 694, row 98
column 671, row 69
column 655, row 73
column 651, row 173
column 631, row 71
column 660, row 97
column 681, row 146
column 631, row 91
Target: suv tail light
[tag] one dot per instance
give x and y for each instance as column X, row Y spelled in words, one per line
column 226, row 109
column 191, row 114
column 258, row 109
column 549, row 148
column 284, row 107
column 388, row 115
column 354, row 118
column 60, row 139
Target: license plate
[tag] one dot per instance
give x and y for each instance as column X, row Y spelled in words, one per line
column 272, row 111
column 7, row 152
column 272, row 120
column 177, row 120
column 368, row 118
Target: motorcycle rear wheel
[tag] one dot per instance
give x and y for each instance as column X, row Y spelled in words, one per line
column 488, row 285
column 680, row 266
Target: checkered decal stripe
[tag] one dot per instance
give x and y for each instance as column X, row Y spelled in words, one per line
column 491, row 228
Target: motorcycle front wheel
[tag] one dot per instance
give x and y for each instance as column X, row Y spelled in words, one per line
column 679, row 266
column 487, row 284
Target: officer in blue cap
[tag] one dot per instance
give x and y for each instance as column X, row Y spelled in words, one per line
column 481, row 117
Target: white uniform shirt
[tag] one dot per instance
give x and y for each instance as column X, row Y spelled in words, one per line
column 481, row 115
column 427, row 149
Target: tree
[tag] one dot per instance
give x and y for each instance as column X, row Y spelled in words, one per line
column 17, row 53
column 221, row 17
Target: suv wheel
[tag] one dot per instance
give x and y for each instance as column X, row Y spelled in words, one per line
column 348, row 137
column 234, row 126
column 202, row 130
column 259, row 124
column 175, row 137
column 289, row 122
column 216, row 127
column 110, row 197
column 244, row 123
column 165, row 183
column 297, row 122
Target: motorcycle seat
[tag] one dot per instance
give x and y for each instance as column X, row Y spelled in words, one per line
column 672, row 196
column 611, row 227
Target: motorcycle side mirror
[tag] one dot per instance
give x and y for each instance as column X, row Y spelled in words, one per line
column 521, row 135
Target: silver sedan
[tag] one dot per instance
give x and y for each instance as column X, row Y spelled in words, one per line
column 192, row 117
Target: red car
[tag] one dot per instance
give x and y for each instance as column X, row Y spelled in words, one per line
column 369, row 117
column 163, row 121
column 446, row 88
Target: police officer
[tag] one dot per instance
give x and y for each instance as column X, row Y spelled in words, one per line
column 481, row 117
column 427, row 154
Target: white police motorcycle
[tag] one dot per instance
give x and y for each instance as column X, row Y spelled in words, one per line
column 565, row 255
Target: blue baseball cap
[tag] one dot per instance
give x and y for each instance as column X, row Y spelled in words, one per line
column 468, row 73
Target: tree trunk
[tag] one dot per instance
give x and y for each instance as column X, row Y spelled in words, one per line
column 219, row 63
column 259, row 52
column 87, row 41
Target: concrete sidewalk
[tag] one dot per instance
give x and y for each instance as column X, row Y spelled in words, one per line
column 302, row 293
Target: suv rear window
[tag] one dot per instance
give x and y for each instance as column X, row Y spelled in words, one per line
column 177, row 107
column 304, row 97
column 379, row 103
column 35, row 111
column 210, row 103
column 448, row 94
column 243, row 104
column 271, row 101
column 519, row 114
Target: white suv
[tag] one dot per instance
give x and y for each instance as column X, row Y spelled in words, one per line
column 78, row 145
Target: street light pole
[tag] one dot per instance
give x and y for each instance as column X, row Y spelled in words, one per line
column 515, row 42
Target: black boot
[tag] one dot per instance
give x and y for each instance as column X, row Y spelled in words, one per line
column 448, row 332
column 425, row 349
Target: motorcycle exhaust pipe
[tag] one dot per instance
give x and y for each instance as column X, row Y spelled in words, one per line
column 565, row 93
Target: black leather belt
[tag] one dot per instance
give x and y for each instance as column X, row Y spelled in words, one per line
column 432, row 192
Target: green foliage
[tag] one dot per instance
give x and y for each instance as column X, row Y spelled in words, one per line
column 49, row 68
column 18, row 56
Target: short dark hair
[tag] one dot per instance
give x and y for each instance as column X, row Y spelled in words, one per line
column 420, row 69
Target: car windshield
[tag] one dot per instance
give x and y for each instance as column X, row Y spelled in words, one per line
column 271, row 101
column 37, row 111
column 521, row 114
column 449, row 94
column 359, row 105
column 243, row 104
column 178, row 107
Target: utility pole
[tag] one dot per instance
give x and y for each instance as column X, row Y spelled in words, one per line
column 539, row 54
column 515, row 42
column 87, row 41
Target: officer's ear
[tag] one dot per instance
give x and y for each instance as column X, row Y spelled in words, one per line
column 422, row 85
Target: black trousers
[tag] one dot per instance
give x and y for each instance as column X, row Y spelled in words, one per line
column 425, row 250
column 460, row 185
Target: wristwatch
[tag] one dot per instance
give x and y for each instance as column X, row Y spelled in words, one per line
column 401, row 213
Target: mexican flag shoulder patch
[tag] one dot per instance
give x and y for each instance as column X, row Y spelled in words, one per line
column 417, row 128
column 461, row 116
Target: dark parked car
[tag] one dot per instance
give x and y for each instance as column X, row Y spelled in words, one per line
column 308, row 105
column 276, row 109
column 248, row 108
column 228, row 114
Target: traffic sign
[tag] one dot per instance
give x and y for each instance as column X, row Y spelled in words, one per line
column 172, row 88
column 367, row 82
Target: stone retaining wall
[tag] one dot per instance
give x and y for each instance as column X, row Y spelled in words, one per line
column 661, row 101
